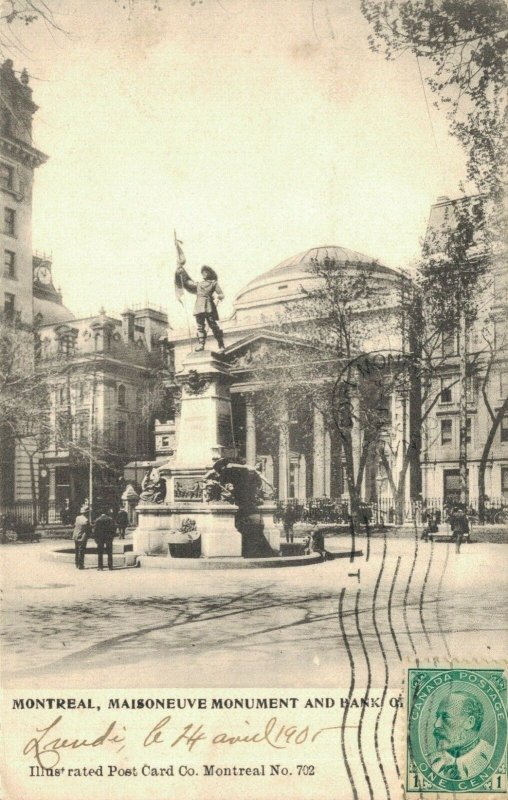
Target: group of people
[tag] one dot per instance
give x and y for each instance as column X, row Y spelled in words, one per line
column 457, row 520
column 103, row 531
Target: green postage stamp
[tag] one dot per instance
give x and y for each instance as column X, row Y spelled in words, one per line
column 456, row 731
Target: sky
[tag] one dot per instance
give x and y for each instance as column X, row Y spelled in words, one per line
column 254, row 128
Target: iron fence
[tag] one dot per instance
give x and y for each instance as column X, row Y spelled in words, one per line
column 25, row 512
column 383, row 511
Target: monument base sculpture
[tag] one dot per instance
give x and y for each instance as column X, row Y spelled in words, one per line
column 203, row 490
column 216, row 524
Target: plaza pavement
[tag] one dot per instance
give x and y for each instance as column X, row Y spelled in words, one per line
column 66, row 628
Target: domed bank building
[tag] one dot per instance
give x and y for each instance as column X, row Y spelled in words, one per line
column 296, row 445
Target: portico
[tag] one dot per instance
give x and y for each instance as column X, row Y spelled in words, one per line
column 283, row 427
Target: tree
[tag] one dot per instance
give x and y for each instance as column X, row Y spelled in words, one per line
column 465, row 42
column 319, row 366
column 496, row 346
column 24, row 397
column 17, row 15
column 29, row 415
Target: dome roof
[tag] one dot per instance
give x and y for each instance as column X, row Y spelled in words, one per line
column 297, row 268
column 51, row 312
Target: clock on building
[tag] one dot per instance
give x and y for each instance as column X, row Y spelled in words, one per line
column 43, row 273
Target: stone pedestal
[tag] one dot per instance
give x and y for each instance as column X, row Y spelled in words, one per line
column 205, row 435
column 206, row 428
column 270, row 531
column 155, row 522
column 214, row 521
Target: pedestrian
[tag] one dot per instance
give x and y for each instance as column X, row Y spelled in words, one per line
column 122, row 520
column 80, row 536
column 431, row 527
column 289, row 517
column 104, row 532
column 460, row 527
column 318, row 543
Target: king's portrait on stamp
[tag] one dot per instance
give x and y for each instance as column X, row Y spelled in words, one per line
column 456, row 730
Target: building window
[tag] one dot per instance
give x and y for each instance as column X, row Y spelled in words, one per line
column 504, row 482
column 66, row 345
column 446, row 395
column 9, row 221
column 449, row 344
column 82, row 392
column 122, row 435
column 6, row 176
column 9, row 263
column 140, row 438
column 64, row 430
column 471, row 388
column 468, row 430
column 446, row 431
column 504, row 428
column 121, row 396
column 503, row 384
column 9, row 305
column 82, row 428
column 500, row 333
column 165, row 441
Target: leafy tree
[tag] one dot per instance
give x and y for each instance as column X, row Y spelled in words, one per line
column 465, row 43
column 318, row 366
column 27, row 388
column 496, row 345
column 453, row 276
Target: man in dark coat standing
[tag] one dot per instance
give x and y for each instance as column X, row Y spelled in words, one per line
column 80, row 536
column 122, row 520
column 104, row 532
column 460, row 527
column 208, row 293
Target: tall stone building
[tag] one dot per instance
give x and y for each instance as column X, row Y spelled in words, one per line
column 487, row 391
column 102, row 412
column 96, row 368
column 18, row 162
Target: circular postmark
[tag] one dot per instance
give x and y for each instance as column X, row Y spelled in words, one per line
column 370, row 375
column 457, row 728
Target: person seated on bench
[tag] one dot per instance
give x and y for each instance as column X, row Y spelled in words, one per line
column 432, row 527
column 315, row 543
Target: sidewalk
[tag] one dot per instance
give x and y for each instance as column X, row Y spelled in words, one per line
column 278, row 627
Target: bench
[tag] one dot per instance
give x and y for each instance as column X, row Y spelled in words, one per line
column 444, row 534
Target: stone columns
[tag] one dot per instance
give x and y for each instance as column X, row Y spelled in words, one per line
column 250, row 431
column 327, row 463
column 284, row 453
column 356, row 440
column 318, row 471
column 52, row 483
column 302, row 477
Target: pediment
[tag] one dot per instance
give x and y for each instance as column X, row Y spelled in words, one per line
column 260, row 347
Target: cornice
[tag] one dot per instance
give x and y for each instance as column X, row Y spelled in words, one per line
column 22, row 152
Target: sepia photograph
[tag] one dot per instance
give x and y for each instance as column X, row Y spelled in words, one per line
column 254, row 370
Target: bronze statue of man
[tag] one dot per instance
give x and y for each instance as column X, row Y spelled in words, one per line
column 208, row 294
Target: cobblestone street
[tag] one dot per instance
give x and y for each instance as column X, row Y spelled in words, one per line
column 257, row 628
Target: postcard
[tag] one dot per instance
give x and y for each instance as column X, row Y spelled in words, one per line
column 254, row 372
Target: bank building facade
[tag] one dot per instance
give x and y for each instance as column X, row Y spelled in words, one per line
column 296, row 448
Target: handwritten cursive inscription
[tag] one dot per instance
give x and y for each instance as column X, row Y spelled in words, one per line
column 47, row 744
column 46, row 751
